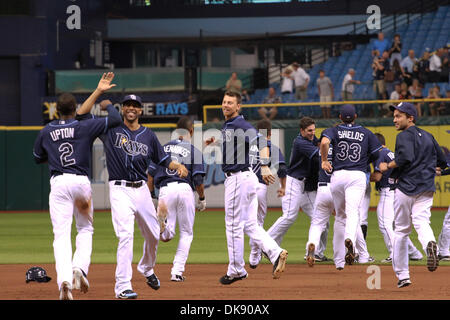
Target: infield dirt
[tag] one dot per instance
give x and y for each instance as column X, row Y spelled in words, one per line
column 298, row 282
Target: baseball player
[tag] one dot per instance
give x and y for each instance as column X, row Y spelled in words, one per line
column 385, row 208
column 66, row 145
column 444, row 236
column 177, row 194
column 303, row 163
column 323, row 209
column 417, row 154
column 129, row 148
column 353, row 148
column 241, row 203
column 276, row 160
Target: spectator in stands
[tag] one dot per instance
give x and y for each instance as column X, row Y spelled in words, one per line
column 326, row 93
column 444, row 69
column 408, row 64
column 266, row 113
column 404, row 94
column 245, row 96
column 301, row 80
column 348, row 85
column 445, row 109
column 434, row 107
column 423, row 68
column 287, row 82
column 381, row 44
column 399, row 74
column 395, row 95
column 234, row 84
column 380, row 66
column 418, row 95
column 395, row 51
column 435, row 66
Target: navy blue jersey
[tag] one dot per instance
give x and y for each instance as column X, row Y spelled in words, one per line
column 303, row 153
column 183, row 152
column 354, row 147
column 128, row 153
column 417, row 154
column 276, row 160
column 238, row 137
column 323, row 175
column 387, row 156
column 66, row 145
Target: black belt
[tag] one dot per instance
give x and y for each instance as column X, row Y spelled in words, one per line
column 229, row 174
column 57, row 173
column 132, row 184
column 322, row 184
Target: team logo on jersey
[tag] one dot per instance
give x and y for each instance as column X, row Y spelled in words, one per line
column 133, row 148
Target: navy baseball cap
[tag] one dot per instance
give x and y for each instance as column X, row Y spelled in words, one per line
column 132, row 97
column 347, row 111
column 405, row 107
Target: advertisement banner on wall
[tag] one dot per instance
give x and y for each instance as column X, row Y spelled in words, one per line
column 150, row 110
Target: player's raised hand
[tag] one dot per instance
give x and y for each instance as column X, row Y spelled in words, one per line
column 105, row 82
column 326, row 166
column 267, row 175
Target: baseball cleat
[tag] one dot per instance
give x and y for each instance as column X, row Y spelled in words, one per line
column 310, row 255
column 432, row 258
column 339, row 268
column 161, row 213
column 280, row 264
column 350, row 255
column 80, row 281
column 226, row 279
column 177, row 278
column 444, row 258
column 153, row 282
column 127, row 294
column 253, row 266
column 65, row 293
column 387, row 260
column 416, row 257
column 321, row 259
column 403, row 283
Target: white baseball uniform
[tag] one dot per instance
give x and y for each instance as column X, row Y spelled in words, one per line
column 444, row 236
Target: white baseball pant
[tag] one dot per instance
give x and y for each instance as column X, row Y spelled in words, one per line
column 180, row 201
column 385, row 214
column 261, row 193
column 241, row 207
column 320, row 222
column 348, row 188
column 294, row 199
column 65, row 189
column 128, row 204
column 361, row 245
column 408, row 211
column 444, row 236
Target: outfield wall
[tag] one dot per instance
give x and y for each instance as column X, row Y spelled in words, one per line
column 25, row 185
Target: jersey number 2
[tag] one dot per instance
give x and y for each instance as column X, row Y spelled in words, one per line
column 66, row 150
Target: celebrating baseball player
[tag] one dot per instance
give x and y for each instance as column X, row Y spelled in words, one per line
column 276, row 160
column 354, row 147
column 303, row 163
column 241, row 203
column 177, row 194
column 417, row 154
column 385, row 208
column 129, row 148
column 66, row 145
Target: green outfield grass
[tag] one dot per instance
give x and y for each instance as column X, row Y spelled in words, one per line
column 27, row 238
